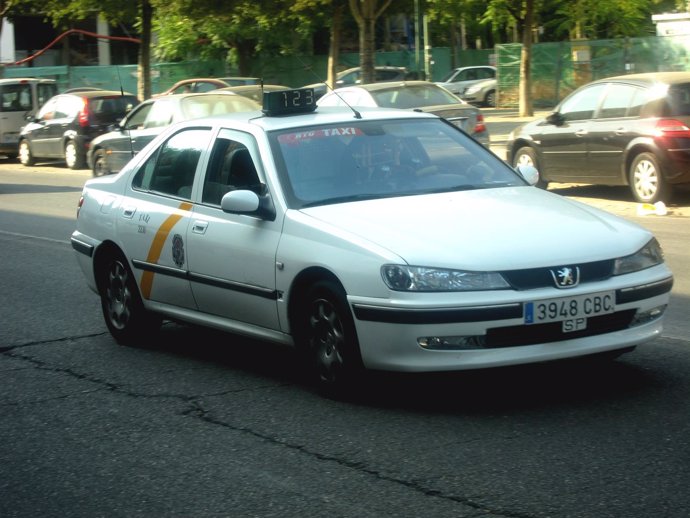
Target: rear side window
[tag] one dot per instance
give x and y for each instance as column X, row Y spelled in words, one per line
column 678, row 100
column 45, row 91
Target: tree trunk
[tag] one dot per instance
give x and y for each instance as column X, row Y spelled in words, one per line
column 365, row 14
column 525, row 93
column 334, row 47
column 144, row 66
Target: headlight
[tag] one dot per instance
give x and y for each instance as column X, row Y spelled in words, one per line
column 649, row 255
column 418, row 278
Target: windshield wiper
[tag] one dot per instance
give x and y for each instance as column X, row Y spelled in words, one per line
column 351, row 197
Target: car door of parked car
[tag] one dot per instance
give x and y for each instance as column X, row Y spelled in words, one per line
column 42, row 130
column 122, row 144
column 611, row 130
column 232, row 256
column 154, row 218
column 562, row 140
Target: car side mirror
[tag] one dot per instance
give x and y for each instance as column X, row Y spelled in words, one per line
column 555, row 118
column 529, row 173
column 248, row 202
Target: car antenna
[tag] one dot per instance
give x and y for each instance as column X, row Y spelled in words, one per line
column 308, row 67
column 122, row 93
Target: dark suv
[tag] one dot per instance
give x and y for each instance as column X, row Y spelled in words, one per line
column 627, row 130
column 67, row 123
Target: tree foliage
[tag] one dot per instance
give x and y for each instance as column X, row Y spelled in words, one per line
column 239, row 30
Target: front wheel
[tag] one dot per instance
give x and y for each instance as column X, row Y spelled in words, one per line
column 25, row 156
column 73, row 158
column 527, row 156
column 100, row 166
column 327, row 335
column 646, row 181
column 123, row 309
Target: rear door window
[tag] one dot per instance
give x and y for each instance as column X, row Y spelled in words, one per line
column 617, row 101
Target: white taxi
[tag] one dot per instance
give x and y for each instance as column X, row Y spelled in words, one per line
column 368, row 239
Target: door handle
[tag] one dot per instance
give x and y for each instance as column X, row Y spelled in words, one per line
column 620, row 131
column 581, row 133
column 199, row 227
column 128, row 212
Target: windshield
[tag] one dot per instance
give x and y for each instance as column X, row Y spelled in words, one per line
column 449, row 76
column 373, row 159
column 413, row 97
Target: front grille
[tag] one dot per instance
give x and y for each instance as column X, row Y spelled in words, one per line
column 552, row 332
column 541, row 277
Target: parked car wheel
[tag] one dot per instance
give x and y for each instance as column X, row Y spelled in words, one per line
column 25, row 156
column 100, row 166
column 646, row 182
column 527, row 156
column 327, row 335
column 124, row 312
column 73, row 158
column 490, row 99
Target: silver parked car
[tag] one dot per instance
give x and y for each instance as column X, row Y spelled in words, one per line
column 464, row 82
column 110, row 152
column 414, row 95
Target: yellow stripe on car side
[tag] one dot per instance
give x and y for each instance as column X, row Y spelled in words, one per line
column 157, row 247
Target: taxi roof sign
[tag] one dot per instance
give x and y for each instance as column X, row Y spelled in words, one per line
column 289, row 102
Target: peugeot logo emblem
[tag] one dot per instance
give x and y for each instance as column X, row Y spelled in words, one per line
column 566, row 277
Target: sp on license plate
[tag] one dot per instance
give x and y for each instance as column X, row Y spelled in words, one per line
column 571, row 310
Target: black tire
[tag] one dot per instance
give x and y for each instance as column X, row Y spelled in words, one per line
column 25, row 156
column 528, row 156
column 123, row 310
column 325, row 333
column 74, row 158
column 100, row 165
column 647, row 183
column 490, row 99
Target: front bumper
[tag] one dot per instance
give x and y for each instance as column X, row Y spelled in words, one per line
column 495, row 335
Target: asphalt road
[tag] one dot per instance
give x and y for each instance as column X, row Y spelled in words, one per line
column 206, row 424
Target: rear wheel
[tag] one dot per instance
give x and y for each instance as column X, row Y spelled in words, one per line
column 25, row 156
column 123, row 309
column 100, row 166
column 326, row 334
column 73, row 158
column 646, row 181
column 527, row 156
column 490, row 99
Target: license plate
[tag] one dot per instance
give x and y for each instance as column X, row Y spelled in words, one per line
column 11, row 138
column 570, row 308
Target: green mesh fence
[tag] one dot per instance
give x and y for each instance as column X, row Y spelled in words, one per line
column 559, row 68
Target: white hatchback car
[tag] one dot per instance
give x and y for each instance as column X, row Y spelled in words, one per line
column 369, row 238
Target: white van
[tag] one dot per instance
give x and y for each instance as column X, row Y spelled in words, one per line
column 18, row 97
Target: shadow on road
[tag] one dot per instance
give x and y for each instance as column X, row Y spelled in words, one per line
column 489, row 391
